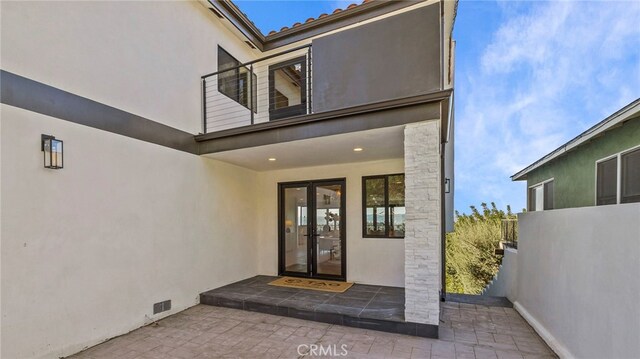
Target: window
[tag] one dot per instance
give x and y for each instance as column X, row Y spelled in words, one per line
column 618, row 178
column 630, row 177
column 235, row 83
column 383, row 206
column 288, row 89
column 540, row 196
column 548, row 196
column 607, row 183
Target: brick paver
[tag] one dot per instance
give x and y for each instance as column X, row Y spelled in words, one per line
column 466, row 331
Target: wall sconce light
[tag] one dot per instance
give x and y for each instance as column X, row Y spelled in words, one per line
column 52, row 148
column 447, row 185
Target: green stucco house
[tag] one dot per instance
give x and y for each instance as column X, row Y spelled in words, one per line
column 600, row 166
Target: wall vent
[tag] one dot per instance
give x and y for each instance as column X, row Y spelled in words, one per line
column 162, row 306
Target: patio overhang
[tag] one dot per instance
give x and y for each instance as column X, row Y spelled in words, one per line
column 376, row 144
column 354, row 119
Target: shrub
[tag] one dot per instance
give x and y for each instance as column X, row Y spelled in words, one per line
column 470, row 253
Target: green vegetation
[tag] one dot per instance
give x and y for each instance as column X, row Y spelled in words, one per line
column 470, row 254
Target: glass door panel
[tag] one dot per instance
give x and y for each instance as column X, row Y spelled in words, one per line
column 329, row 229
column 295, row 226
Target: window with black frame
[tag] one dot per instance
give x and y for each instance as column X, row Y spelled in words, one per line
column 383, row 206
column 288, row 88
column 236, row 83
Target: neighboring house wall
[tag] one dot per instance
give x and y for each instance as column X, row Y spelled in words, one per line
column 87, row 250
column 141, row 57
column 578, row 279
column 369, row 260
column 346, row 75
column 580, row 164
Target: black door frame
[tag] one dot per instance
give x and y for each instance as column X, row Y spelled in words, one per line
column 312, row 270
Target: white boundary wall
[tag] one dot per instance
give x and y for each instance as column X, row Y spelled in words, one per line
column 578, row 283
column 504, row 284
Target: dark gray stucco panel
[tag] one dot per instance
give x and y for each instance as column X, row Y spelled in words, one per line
column 354, row 123
column 34, row 96
column 390, row 58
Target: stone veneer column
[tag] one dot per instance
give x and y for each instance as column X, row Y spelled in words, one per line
column 422, row 265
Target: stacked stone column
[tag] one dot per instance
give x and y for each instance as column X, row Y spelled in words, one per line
column 423, row 222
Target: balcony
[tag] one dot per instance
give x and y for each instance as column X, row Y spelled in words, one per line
column 267, row 89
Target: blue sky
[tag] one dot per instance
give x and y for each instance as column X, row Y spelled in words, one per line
column 529, row 77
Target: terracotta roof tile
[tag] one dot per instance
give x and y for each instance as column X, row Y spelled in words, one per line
column 311, row 19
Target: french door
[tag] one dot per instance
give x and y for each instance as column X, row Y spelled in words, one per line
column 312, row 229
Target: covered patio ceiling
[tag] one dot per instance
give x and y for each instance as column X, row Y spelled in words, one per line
column 376, row 144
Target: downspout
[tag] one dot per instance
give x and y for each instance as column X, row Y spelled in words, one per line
column 443, row 285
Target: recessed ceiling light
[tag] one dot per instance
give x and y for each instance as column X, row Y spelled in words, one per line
column 272, row 159
column 357, row 149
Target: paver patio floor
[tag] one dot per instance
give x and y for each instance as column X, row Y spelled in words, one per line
column 466, row 331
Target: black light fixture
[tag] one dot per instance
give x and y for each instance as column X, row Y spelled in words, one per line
column 52, row 149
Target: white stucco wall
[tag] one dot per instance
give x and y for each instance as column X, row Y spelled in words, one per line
column 578, row 279
column 505, row 283
column 369, row 260
column 143, row 57
column 88, row 249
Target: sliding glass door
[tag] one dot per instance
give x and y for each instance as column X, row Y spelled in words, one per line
column 312, row 229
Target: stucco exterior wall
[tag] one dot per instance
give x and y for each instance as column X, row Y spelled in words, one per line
column 141, row 57
column 580, row 164
column 369, row 260
column 88, row 249
column 349, row 70
column 505, row 282
column 578, row 279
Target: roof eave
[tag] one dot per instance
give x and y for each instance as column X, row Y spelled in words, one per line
column 622, row 115
column 303, row 31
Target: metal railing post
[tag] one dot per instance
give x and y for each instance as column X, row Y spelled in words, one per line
column 204, row 105
column 309, row 84
column 250, row 90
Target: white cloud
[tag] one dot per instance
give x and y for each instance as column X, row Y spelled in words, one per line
column 551, row 70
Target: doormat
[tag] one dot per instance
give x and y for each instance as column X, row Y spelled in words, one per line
column 314, row 284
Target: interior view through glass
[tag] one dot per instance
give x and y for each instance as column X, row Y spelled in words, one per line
column 287, row 86
column 321, row 224
column 328, row 229
column 295, row 229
